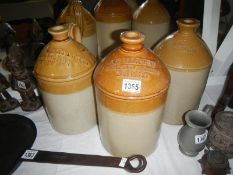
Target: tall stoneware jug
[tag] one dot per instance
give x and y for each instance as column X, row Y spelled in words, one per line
column 112, row 17
column 188, row 60
column 131, row 86
column 153, row 20
column 75, row 13
column 64, row 73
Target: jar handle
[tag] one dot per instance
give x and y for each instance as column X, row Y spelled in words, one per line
column 74, row 32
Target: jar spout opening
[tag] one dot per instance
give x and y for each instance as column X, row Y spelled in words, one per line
column 188, row 25
column 59, row 32
column 132, row 40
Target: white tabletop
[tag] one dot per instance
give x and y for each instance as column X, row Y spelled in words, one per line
column 165, row 160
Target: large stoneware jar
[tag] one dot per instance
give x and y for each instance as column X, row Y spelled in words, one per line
column 75, row 13
column 188, row 60
column 153, row 20
column 131, row 88
column 64, row 74
column 112, row 17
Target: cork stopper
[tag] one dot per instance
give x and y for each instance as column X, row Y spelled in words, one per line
column 132, row 40
column 59, row 32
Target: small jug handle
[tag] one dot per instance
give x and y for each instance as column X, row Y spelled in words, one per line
column 208, row 109
column 74, row 32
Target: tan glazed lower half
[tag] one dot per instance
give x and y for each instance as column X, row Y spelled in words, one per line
column 90, row 42
column 125, row 135
column 153, row 33
column 71, row 113
column 108, row 35
column 184, row 94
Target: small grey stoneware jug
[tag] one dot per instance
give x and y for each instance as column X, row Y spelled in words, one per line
column 192, row 136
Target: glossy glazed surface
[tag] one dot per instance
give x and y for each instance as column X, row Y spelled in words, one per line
column 112, row 18
column 131, row 87
column 108, row 36
column 132, row 61
column 151, row 12
column 190, row 50
column 153, row 20
column 155, row 32
column 64, row 71
column 63, row 60
column 75, row 13
column 91, row 44
column 125, row 136
column 112, row 11
column 71, row 113
column 188, row 60
column 184, row 93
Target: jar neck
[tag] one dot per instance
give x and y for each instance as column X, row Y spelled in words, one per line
column 59, row 33
column 132, row 47
column 132, row 40
column 187, row 26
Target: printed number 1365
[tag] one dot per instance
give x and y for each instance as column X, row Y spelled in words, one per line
column 131, row 85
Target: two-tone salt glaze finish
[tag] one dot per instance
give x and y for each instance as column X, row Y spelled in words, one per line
column 131, row 86
column 188, row 60
column 64, row 74
column 76, row 14
column 112, row 17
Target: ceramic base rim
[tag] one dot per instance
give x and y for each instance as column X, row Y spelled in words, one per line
column 190, row 154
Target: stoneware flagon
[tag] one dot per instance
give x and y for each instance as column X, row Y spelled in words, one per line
column 188, row 60
column 131, row 86
column 76, row 14
column 192, row 137
column 112, row 17
column 153, row 20
column 64, row 71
